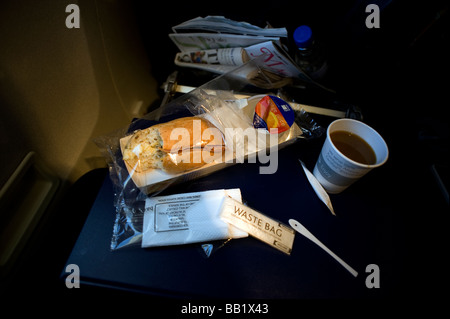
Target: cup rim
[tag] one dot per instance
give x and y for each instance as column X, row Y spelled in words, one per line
column 372, row 130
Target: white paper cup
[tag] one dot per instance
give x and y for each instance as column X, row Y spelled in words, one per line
column 334, row 170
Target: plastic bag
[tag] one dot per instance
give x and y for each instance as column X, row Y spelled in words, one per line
column 216, row 102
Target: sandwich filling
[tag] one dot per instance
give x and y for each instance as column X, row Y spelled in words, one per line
column 144, row 150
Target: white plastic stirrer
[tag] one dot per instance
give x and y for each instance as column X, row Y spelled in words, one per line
column 302, row 230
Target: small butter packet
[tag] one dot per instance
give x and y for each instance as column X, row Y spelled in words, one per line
column 271, row 112
column 264, row 228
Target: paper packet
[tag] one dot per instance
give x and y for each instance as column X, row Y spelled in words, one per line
column 188, row 218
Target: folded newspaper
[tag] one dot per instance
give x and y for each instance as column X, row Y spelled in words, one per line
column 221, row 24
column 219, row 45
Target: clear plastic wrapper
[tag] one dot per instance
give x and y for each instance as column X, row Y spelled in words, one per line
column 195, row 135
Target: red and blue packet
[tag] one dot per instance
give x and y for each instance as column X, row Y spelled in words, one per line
column 272, row 113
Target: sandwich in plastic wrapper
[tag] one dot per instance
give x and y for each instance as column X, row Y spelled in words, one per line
column 195, row 135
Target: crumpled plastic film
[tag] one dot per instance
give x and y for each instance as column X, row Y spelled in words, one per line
column 220, row 102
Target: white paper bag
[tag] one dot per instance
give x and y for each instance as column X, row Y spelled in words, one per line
column 188, row 218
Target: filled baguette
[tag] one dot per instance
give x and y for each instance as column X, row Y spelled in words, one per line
column 177, row 146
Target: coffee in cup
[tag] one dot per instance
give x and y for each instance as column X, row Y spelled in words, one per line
column 351, row 150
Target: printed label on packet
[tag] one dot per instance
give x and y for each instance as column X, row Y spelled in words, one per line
column 272, row 112
column 172, row 216
column 258, row 225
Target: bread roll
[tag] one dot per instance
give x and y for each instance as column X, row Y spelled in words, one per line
column 175, row 147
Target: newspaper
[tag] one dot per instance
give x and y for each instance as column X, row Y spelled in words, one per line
column 215, row 60
column 187, row 42
column 277, row 61
column 221, row 24
column 196, row 38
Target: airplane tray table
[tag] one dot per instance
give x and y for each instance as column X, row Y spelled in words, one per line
column 249, row 268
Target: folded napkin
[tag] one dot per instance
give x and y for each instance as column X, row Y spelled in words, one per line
column 188, row 218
